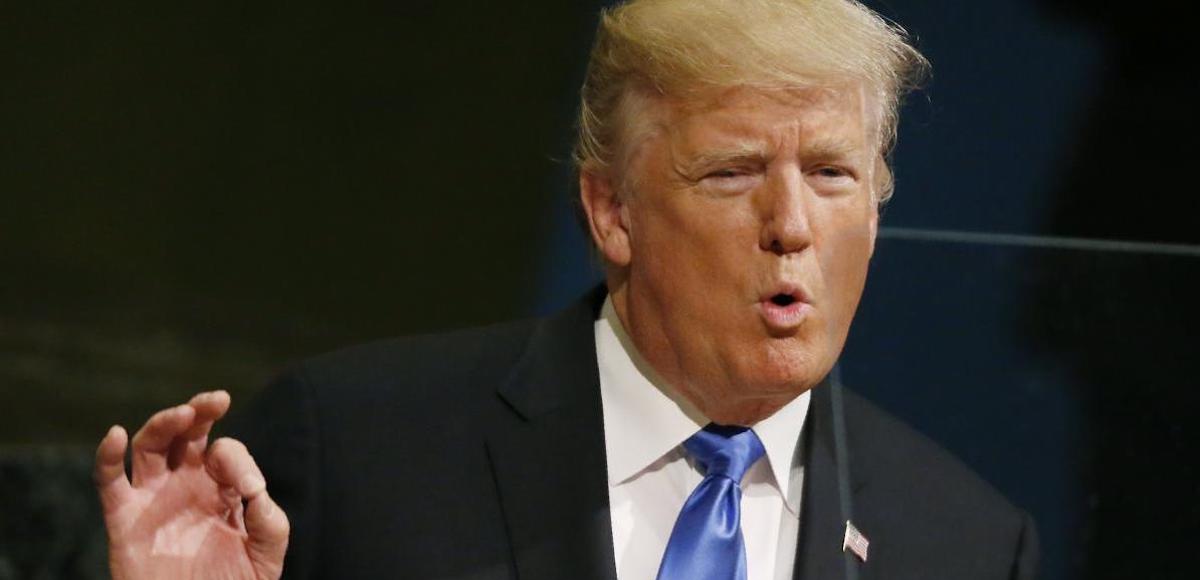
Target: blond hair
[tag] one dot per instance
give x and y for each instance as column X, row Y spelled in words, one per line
column 675, row 47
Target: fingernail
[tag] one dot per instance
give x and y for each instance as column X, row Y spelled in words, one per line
column 251, row 484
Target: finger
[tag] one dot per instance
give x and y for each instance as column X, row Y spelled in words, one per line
column 210, row 407
column 230, row 464
column 153, row 441
column 109, row 474
column 267, row 528
column 189, row 448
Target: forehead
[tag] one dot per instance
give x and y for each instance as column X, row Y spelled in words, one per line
column 825, row 117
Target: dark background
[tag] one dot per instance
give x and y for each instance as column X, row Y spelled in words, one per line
column 193, row 195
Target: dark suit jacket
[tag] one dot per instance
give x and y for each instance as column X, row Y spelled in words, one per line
column 480, row 454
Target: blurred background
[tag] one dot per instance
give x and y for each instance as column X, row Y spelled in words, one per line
column 194, row 194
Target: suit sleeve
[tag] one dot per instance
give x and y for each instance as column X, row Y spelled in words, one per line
column 280, row 429
column 1025, row 564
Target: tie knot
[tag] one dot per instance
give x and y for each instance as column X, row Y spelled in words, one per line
column 725, row 450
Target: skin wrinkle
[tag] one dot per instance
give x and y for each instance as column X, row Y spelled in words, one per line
column 805, row 215
column 643, row 114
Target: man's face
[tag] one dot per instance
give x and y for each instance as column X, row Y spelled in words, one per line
column 743, row 247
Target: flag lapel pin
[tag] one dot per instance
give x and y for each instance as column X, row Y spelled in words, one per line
column 855, row 542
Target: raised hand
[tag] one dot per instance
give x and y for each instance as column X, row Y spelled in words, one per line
column 183, row 517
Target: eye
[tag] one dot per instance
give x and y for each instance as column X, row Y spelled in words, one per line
column 832, row 172
column 730, row 180
column 832, row 178
column 724, row 174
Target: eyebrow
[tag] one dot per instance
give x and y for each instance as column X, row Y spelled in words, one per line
column 831, row 148
column 741, row 152
column 828, row 148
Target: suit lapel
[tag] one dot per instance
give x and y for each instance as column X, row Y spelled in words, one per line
column 819, row 553
column 548, row 455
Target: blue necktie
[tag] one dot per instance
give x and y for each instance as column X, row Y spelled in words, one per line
column 706, row 543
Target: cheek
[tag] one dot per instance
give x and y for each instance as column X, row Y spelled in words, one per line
column 693, row 241
column 690, row 262
column 845, row 256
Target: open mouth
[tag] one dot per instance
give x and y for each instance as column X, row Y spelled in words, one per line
column 783, row 299
column 786, row 310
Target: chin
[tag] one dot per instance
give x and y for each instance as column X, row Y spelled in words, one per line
column 789, row 386
column 793, row 368
column 776, row 384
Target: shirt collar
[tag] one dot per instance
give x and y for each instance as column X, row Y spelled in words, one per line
column 644, row 419
column 780, row 436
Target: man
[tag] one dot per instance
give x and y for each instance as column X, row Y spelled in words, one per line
column 677, row 424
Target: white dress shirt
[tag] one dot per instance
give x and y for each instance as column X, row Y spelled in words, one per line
column 650, row 475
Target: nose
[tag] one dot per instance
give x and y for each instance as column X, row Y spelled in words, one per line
column 785, row 214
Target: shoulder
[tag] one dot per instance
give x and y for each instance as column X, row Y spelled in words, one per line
column 929, row 503
column 458, row 352
column 409, row 378
column 900, row 456
column 422, row 370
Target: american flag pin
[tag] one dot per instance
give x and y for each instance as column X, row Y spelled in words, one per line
column 855, row 542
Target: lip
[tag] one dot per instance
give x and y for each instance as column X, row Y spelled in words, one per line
column 784, row 318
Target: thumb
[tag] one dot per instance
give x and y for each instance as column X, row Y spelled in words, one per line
column 267, row 528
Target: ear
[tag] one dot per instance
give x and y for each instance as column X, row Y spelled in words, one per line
column 606, row 216
column 874, row 225
column 882, row 182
